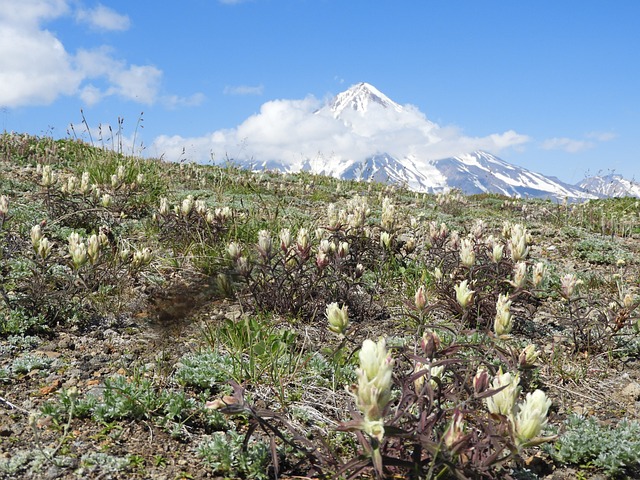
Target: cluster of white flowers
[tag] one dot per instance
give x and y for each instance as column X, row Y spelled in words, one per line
column 527, row 417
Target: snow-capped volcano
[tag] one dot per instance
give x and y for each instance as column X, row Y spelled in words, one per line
column 363, row 134
column 359, row 98
column 373, row 117
column 611, row 186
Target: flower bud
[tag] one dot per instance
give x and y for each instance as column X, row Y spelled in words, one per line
column 200, row 207
column 518, row 243
column 373, row 391
column 437, row 273
column 480, row 380
column 420, row 299
column 142, row 257
column 322, row 259
column 628, row 301
column 455, row 431
column 48, row 176
column 242, row 266
column 325, row 246
column 430, row 343
column 303, row 242
column 84, row 183
column 105, row 201
column 343, row 249
column 187, row 206
column 528, row 356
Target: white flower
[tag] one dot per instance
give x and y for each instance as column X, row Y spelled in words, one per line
column 303, row 241
column 374, row 379
column 568, row 284
column 388, row 214
column 463, row 294
column 385, row 240
column 93, row 248
column 504, row 401
column 503, row 323
column 187, row 206
column 264, row 242
column 518, row 243
column 467, row 254
column 36, row 236
column 78, row 253
column 338, row 318
column 519, row 275
column 44, row 248
column 4, row 206
column 285, row 239
column 531, row 416
column 538, row 274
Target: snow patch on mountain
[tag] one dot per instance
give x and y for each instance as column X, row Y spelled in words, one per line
column 611, row 186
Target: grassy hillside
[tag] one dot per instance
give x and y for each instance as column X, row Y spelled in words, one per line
column 173, row 320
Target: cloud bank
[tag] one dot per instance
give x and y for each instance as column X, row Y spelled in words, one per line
column 36, row 68
column 291, row 132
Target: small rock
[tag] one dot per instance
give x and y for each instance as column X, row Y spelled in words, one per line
column 631, row 392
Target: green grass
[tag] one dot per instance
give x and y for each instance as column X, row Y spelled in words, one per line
column 254, row 332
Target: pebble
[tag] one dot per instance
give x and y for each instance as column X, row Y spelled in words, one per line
column 631, row 392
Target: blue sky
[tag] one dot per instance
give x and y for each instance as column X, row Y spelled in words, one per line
column 558, row 82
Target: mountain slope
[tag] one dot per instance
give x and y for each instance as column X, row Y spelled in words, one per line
column 611, row 186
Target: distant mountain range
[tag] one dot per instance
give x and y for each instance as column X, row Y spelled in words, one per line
column 368, row 113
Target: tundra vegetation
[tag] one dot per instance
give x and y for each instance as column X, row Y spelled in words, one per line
column 176, row 320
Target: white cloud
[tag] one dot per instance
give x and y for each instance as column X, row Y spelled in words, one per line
column 104, row 18
column 36, row 68
column 572, row 145
column 31, row 12
column 174, row 101
column 602, row 136
column 244, row 90
column 140, row 83
column 289, row 131
column 567, row 144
